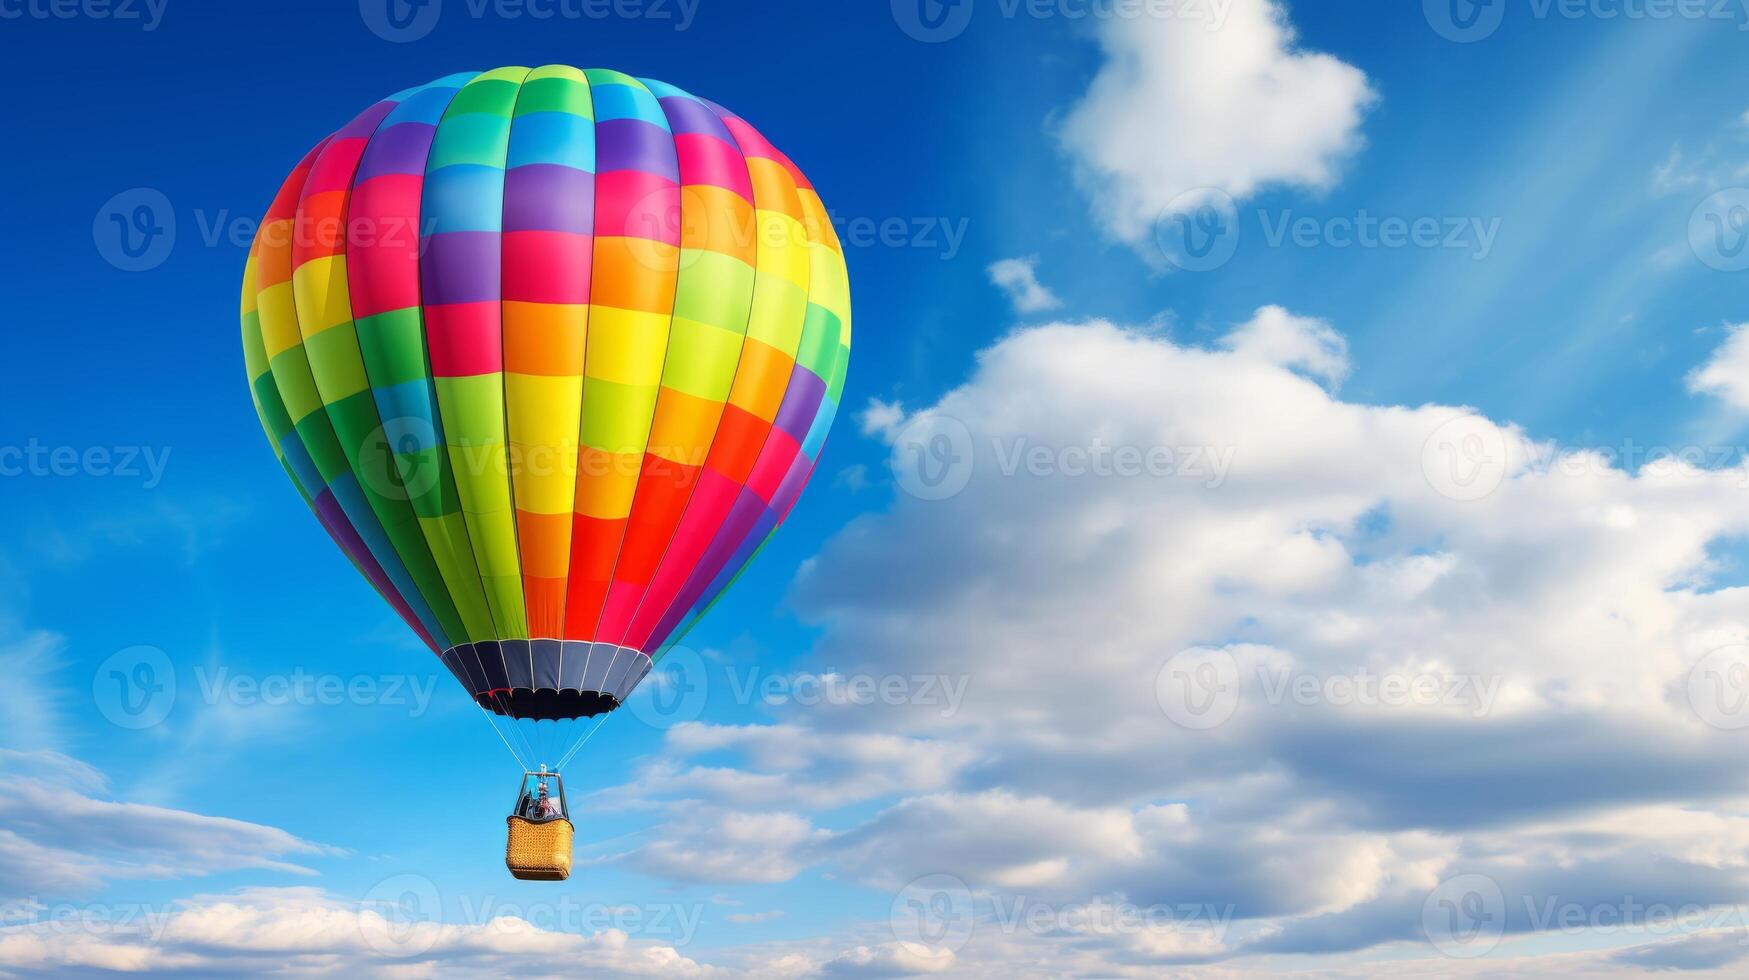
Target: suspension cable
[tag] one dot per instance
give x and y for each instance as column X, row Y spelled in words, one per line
column 572, row 754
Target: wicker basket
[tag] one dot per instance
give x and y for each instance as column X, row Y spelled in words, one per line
column 540, row 851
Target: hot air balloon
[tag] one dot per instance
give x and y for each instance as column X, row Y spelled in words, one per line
column 549, row 354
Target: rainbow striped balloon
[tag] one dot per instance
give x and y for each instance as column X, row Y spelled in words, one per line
column 550, row 354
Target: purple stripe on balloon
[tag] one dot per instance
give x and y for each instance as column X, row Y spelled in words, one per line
column 742, row 517
column 721, row 112
column 366, row 122
column 800, row 403
column 743, row 554
column 398, row 149
column 461, row 267
column 632, row 144
column 692, row 116
column 790, row 490
column 549, row 197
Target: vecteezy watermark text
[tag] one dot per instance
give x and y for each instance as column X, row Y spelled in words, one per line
column 1469, row 21
column 1202, row 688
column 1466, row 915
column 34, row 459
column 305, row 689
column 935, row 21
column 941, row 691
column 683, row 682
column 1467, row 457
column 1202, row 229
column 935, row 456
column 138, row 688
column 403, row 916
column 147, row 13
column 930, row 233
column 935, row 915
column 404, row 21
column 33, row 917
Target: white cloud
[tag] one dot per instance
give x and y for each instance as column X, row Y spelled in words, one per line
column 1725, row 375
column 1671, row 176
column 752, row 918
column 1276, row 336
column 1059, row 781
column 307, row 931
column 58, row 836
column 1701, row 951
column 32, row 719
column 880, row 416
column 803, row 767
column 1336, row 547
column 853, row 478
column 1179, row 111
column 886, row 960
column 708, row 844
column 1018, row 278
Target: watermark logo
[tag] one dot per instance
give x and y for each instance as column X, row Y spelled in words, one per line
column 135, row 688
column 1718, row 230
column 933, row 21
column 401, row 917
column 933, row 457
column 1199, row 688
column 1464, row 459
column 1718, row 687
column 1464, row 916
column 1464, row 21
column 401, row 459
column 400, row 21
column 1198, row 230
column 932, row 917
column 674, row 692
column 135, row 231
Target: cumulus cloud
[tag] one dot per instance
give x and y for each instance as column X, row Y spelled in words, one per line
column 1568, row 748
column 880, row 417
column 1725, row 375
column 1544, row 616
column 1276, row 336
column 1179, row 113
column 710, row 844
column 1018, row 278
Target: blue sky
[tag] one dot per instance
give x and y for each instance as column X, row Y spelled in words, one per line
column 1569, row 312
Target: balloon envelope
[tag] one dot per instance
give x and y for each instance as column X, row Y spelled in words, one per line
column 549, row 353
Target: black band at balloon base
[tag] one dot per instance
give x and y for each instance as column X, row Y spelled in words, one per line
column 547, row 680
column 521, row 703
